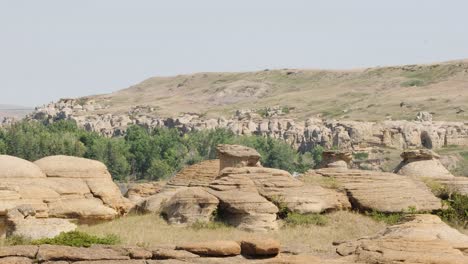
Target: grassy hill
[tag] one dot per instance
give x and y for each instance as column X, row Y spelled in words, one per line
column 363, row 94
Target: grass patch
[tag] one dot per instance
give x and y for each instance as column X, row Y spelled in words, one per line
column 413, row 83
column 296, row 219
column 361, row 155
column 387, row 218
column 73, row 239
column 213, row 225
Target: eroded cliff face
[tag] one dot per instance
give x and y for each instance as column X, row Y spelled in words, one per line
column 303, row 135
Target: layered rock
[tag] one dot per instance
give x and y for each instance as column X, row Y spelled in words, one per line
column 422, row 163
column 241, row 205
column 21, row 221
column 280, row 187
column 190, row 205
column 384, row 192
column 237, row 156
column 200, row 174
column 136, row 192
column 422, row 239
column 336, row 159
column 60, row 192
column 301, row 134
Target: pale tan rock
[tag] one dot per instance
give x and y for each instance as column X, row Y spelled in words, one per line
column 212, row 249
column 72, row 167
column 241, row 205
column 260, row 247
column 384, row 192
column 18, row 251
column 190, row 205
column 15, row 260
column 422, row 163
column 237, row 156
column 423, row 239
column 164, row 253
column 336, row 159
column 53, row 252
column 82, row 208
column 200, row 174
column 13, row 167
column 109, row 193
column 279, row 186
column 138, row 191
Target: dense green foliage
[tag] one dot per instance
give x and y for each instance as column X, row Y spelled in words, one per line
column 456, row 212
column 143, row 154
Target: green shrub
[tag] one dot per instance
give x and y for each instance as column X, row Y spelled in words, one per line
column 296, row 219
column 78, row 239
column 283, row 210
column 388, row 218
column 412, row 83
column 457, row 212
column 361, row 156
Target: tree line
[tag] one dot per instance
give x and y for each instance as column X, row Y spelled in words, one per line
column 144, row 154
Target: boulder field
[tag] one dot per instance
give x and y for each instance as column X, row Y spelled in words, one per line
column 56, row 188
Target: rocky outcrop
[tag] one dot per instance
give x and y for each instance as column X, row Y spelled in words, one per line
column 137, row 192
column 422, row 163
column 241, row 205
column 336, row 159
column 303, row 135
column 21, row 221
column 190, row 205
column 237, row 156
column 383, row 192
column 422, row 239
column 200, row 174
column 213, row 249
column 280, row 187
column 60, row 192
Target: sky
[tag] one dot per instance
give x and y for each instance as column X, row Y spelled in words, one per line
column 53, row 49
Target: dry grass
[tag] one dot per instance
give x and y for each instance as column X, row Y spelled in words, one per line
column 364, row 94
column 150, row 230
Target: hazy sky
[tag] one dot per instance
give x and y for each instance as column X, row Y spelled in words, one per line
column 53, row 49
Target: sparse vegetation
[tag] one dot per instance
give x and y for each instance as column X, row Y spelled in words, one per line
column 456, row 213
column 388, row 218
column 361, row 155
column 296, row 219
column 74, row 239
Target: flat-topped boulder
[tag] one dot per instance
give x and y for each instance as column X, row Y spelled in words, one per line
column 421, row 239
column 383, row 192
column 422, row 163
column 237, row 156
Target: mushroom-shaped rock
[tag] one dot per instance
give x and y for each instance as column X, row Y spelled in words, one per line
column 237, row 156
column 422, row 163
column 13, row 167
column 336, row 159
column 241, row 205
column 190, row 205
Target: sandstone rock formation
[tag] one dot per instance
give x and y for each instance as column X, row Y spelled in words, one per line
column 200, row 174
column 383, row 192
column 422, row 163
column 422, row 239
column 336, row 159
column 301, row 134
column 237, row 156
column 136, row 192
column 21, row 221
column 60, row 192
column 190, row 205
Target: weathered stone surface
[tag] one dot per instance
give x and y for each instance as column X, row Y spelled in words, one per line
column 133, row 261
column 165, row 253
column 19, row 251
column 15, row 260
column 139, row 253
column 422, row 163
column 200, row 174
column 13, row 167
column 190, row 205
column 279, row 186
column 260, row 247
column 49, row 252
column 138, row 191
column 423, row 239
column 336, row 159
column 237, row 156
column 384, row 192
column 72, row 167
column 213, row 249
column 241, row 205
column 38, row 228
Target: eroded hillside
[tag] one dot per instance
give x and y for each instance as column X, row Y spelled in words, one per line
column 365, row 94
